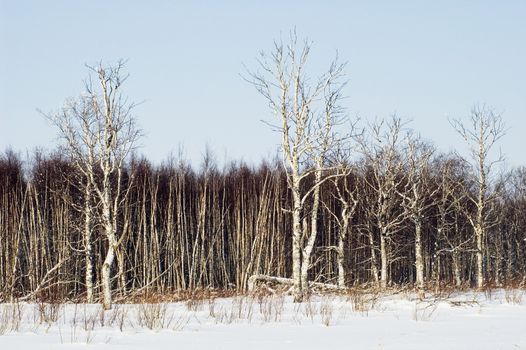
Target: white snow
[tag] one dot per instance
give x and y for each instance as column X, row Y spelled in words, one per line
column 460, row 321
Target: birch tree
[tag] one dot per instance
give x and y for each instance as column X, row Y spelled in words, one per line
column 100, row 133
column 449, row 174
column 347, row 197
column 307, row 113
column 484, row 129
column 417, row 196
column 75, row 123
column 383, row 175
column 345, row 192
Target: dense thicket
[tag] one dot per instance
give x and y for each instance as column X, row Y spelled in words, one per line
column 183, row 229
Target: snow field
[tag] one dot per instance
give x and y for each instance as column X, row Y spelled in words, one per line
column 494, row 320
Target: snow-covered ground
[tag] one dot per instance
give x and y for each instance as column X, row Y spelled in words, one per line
column 460, row 321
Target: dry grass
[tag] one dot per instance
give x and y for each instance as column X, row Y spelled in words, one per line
column 117, row 316
column 153, row 316
column 179, row 296
column 513, row 296
column 48, row 313
column 11, row 317
column 81, row 321
column 424, row 311
column 327, row 311
column 271, row 308
column 363, row 300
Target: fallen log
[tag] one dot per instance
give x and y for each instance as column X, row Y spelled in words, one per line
column 255, row 281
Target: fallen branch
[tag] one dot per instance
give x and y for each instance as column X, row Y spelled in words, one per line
column 255, row 280
column 45, row 279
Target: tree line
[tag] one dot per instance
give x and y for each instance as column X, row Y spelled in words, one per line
column 342, row 205
column 182, row 229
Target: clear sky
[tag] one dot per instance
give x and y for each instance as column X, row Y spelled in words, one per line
column 424, row 60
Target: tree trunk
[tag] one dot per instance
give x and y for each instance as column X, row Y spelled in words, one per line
column 341, row 248
column 456, row 268
column 88, row 248
column 119, row 254
column 106, row 278
column 419, row 258
column 480, row 257
column 374, row 268
column 296, row 248
column 383, row 260
column 341, row 262
column 307, row 250
column 112, row 244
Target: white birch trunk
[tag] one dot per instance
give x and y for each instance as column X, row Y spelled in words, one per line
column 88, row 248
column 374, row 261
column 480, row 257
column 106, row 279
column 307, row 251
column 456, row 268
column 383, row 260
column 341, row 262
column 109, row 231
column 296, row 246
column 341, row 246
column 419, row 257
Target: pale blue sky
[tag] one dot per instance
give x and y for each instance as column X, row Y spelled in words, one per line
column 424, row 60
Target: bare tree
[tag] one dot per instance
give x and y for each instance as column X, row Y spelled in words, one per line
column 481, row 134
column 450, row 173
column 100, row 132
column 75, row 122
column 346, row 194
column 308, row 114
column 417, row 196
column 384, row 168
